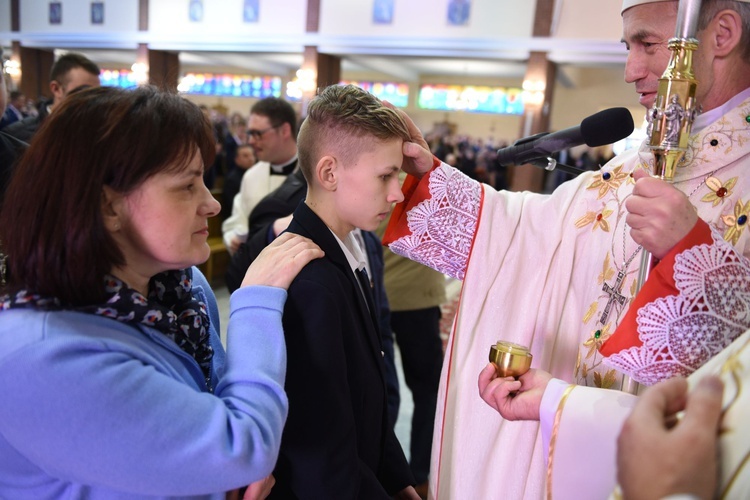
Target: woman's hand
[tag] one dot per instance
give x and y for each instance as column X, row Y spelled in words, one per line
column 280, row 225
column 408, row 493
column 260, row 489
column 280, row 262
column 514, row 399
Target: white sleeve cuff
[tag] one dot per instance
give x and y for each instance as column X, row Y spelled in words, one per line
column 548, row 408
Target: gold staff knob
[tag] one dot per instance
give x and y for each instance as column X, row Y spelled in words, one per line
column 511, row 360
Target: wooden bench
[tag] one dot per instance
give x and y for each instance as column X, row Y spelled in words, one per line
column 216, row 265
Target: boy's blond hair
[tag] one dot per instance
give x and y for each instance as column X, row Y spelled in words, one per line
column 338, row 119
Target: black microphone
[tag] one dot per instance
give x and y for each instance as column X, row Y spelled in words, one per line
column 604, row 127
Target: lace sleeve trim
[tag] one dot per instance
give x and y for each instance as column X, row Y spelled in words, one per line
column 443, row 226
column 681, row 332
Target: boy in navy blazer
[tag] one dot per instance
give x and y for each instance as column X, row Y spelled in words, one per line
column 337, row 442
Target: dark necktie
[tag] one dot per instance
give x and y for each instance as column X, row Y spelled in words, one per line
column 364, row 282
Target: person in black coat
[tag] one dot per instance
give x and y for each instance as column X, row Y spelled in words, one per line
column 278, row 205
column 337, row 441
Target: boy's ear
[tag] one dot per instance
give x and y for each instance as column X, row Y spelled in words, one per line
column 112, row 209
column 326, row 173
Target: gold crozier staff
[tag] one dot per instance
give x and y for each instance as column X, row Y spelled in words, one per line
column 670, row 120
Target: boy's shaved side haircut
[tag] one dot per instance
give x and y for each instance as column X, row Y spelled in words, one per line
column 336, row 118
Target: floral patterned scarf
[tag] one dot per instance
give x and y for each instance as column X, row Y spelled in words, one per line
column 170, row 308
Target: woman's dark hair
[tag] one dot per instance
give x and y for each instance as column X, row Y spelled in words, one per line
column 51, row 224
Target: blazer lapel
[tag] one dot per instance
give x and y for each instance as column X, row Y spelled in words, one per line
column 313, row 225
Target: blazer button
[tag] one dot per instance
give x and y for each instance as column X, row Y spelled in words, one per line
column 382, row 353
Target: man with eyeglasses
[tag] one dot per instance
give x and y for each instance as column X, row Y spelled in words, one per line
column 272, row 133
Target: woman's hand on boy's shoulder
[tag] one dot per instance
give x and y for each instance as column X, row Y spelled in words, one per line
column 408, row 493
column 280, row 262
column 280, row 225
column 260, row 489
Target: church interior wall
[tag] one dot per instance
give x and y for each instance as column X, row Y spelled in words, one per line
column 4, row 15
column 499, row 30
column 428, row 19
column 120, row 16
column 276, row 19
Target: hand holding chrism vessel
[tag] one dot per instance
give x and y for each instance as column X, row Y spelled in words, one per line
column 511, row 360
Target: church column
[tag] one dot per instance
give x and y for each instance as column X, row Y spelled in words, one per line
column 142, row 15
column 539, row 86
column 34, row 64
column 327, row 67
column 35, row 70
column 324, row 68
column 163, row 67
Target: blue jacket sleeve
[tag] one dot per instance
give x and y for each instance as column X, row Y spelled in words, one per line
column 93, row 401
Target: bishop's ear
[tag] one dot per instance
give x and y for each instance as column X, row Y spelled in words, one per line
column 727, row 32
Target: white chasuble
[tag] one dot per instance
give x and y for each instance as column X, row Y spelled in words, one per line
column 534, row 269
column 584, row 440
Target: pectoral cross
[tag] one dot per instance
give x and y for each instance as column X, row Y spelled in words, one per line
column 614, row 296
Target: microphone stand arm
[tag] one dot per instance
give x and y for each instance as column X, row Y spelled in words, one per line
column 551, row 164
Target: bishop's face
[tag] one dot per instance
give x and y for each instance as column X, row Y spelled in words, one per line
column 647, row 29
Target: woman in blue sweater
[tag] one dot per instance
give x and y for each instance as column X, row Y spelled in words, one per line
column 113, row 381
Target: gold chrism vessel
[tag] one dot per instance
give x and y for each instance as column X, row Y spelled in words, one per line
column 511, row 360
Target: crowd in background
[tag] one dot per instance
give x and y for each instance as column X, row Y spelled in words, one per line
column 474, row 156
column 477, row 158
column 19, row 107
column 229, row 132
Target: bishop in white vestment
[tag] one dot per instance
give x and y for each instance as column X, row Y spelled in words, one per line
column 548, row 272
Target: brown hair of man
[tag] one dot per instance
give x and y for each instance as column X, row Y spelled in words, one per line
column 336, row 118
column 51, row 222
column 278, row 112
column 62, row 66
